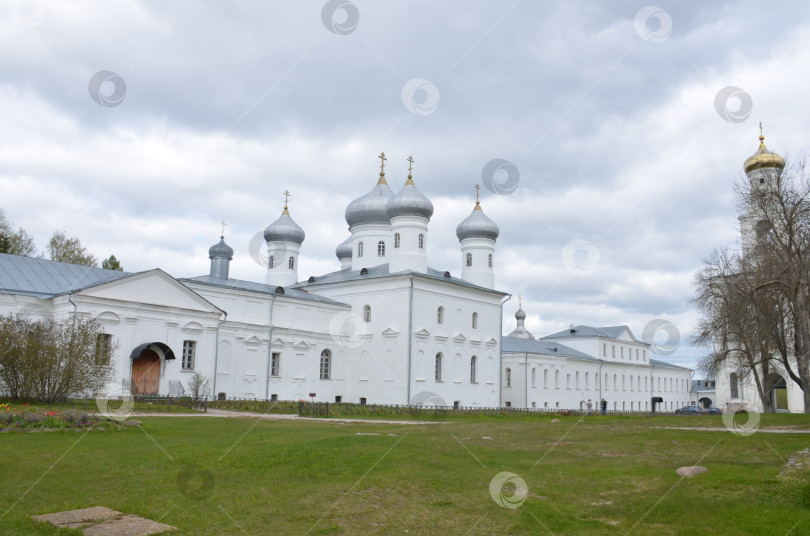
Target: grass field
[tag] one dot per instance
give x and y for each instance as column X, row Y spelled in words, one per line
column 237, row 476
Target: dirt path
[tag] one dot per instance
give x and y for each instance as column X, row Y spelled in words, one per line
column 276, row 416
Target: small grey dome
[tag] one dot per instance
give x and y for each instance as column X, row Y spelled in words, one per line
column 409, row 202
column 520, row 331
column 477, row 225
column 221, row 250
column 344, row 250
column 284, row 229
column 370, row 208
column 520, row 315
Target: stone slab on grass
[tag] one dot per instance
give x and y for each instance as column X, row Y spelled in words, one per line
column 690, row 471
column 102, row 521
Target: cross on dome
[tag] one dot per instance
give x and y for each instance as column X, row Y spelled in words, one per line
column 287, row 196
column 222, row 234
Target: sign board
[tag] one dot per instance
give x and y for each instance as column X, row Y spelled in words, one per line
column 312, row 395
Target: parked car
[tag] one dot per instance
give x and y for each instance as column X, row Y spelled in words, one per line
column 714, row 411
column 690, row 410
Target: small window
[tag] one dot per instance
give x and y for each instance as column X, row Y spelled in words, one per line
column 366, row 313
column 189, row 349
column 326, row 365
column 362, row 401
column 396, row 240
column 509, row 377
column 275, row 363
column 613, row 350
column 489, row 260
column 475, row 321
column 473, row 362
column 604, row 350
column 271, row 262
column 338, row 399
column 381, row 249
column 440, row 315
column 291, row 264
column 103, row 348
column 359, row 249
column 421, row 241
column 469, row 259
column 437, row 374
column 274, row 397
column 534, row 377
column 508, row 404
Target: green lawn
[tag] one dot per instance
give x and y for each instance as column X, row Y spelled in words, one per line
column 599, row 475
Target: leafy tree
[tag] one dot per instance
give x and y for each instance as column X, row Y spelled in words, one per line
column 50, row 360
column 14, row 242
column 70, row 250
column 111, row 263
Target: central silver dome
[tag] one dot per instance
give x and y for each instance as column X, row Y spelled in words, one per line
column 370, row 208
column 409, row 202
column 477, row 225
column 284, row 229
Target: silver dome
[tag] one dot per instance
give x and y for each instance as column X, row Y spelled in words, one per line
column 344, row 250
column 477, row 225
column 409, row 202
column 220, row 250
column 284, row 229
column 520, row 331
column 370, row 208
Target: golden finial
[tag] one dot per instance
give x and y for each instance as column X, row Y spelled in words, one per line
column 382, row 169
column 286, row 198
column 477, row 202
column 520, row 301
column 222, row 234
column 761, row 135
column 410, row 171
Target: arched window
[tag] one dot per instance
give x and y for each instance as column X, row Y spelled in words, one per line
column 645, row 383
column 545, row 378
column 509, row 377
column 366, row 313
column 326, row 365
column 291, row 264
column 381, row 249
column 606, row 382
column 475, row 321
column 421, row 241
column 440, row 315
column 556, row 379
column 396, row 240
column 534, row 377
column 631, row 382
column 469, row 259
column 489, row 260
column 437, row 374
column 623, row 386
column 615, row 382
column 271, row 261
column 586, row 381
column 473, row 361
column 735, row 390
column 576, row 380
column 359, row 249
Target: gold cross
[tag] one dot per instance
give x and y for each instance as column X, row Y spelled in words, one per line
column 223, row 228
column 382, row 164
column 410, row 166
column 477, row 188
column 286, row 197
column 520, row 301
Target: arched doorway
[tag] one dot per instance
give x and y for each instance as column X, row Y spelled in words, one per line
column 779, row 397
column 146, row 361
column 706, row 402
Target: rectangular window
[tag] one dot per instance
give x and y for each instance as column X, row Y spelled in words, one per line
column 275, row 363
column 103, row 347
column 604, row 350
column 613, row 350
column 273, row 397
column 338, row 399
column 189, row 351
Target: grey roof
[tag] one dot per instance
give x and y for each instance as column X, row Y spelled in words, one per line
column 516, row 345
column 261, row 288
column 370, row 208
column 658, row 363
column 220, row 250
column 44, row 278
column 585, row 332
column 382, row 271
column 284, row 229
column 409, row 202
column 477, row 225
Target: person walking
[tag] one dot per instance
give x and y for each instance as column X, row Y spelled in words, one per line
column 604, row 406
column 590, row 406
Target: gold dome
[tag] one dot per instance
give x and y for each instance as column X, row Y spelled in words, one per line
column 763, row 158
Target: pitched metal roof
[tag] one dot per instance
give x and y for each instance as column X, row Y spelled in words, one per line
column 44, row 278
column 374, row 272
column 659, row 363
column 584, row 332
column 260, row 288
column 519, row 345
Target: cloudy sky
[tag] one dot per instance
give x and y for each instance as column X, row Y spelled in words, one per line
column 616, row 129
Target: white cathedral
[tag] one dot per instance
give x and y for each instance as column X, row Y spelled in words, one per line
column 383, row 329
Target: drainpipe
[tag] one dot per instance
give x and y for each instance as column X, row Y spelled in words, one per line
column 526, row 375
column 269, row 350
column 601, row 382
column 410, row 341
column 70, row 299
column 500, row 353
column 216, row 355
column 652, row 387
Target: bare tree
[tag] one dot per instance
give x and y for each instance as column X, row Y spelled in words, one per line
column 198, row 386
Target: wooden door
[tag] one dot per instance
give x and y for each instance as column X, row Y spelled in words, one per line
column 145, row 373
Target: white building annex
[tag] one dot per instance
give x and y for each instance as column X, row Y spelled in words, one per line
column 385, row 328
column 565, row 370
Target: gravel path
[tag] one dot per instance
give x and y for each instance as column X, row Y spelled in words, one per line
column 276, row 416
